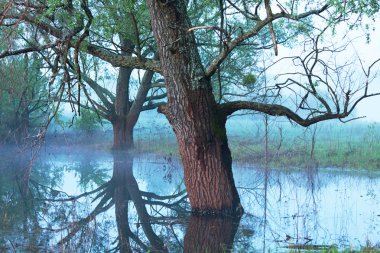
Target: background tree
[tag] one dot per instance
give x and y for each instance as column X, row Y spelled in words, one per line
column 71, row 69
column 23, row 103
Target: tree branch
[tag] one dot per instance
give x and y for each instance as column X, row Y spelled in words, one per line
column 278, row 110
column 212, row 68
column 7, row 53
column 153, row 106
column 107, row 55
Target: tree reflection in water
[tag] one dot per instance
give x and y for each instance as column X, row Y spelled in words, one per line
column 92, row 202
column 144, row 221
column 122, row 192
column 210, row 234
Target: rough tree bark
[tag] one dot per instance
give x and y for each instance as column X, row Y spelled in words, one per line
column 121, row 134
column 193, row 113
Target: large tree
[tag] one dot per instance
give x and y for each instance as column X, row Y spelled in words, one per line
column 317, row 91
column 199, row 121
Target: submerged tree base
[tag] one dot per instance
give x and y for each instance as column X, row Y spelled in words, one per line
column 228, row 212
column 210, row 234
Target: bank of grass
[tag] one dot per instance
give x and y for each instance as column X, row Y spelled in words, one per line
column 354, row 146
column 353, row 154
column 336, row 250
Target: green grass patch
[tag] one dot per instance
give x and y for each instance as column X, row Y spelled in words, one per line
column 354, row 146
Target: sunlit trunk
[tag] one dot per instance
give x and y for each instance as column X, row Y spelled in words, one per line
column 193, row 113
column 207, row 161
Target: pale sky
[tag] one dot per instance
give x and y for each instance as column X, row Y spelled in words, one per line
column 368, row 53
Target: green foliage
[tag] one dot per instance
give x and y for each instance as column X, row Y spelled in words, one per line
column 88, row 121
column 356, row 14
column 366, row 7
column 115, row 18
column 249, row 80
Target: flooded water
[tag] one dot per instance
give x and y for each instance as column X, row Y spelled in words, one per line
column 77, row 200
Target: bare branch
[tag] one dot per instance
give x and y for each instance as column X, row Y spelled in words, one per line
column 212, row 68
column 208, row 27
column 278, row 110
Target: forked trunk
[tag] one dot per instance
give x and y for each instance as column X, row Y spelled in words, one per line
column 193, row 113
column 122, row 105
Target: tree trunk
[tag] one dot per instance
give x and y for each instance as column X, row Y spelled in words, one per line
column 122, row 133
column 122, row 105
column 119, row 121
column 193, row 113
column 118, row 133
column 127, row 114
column 136, row 107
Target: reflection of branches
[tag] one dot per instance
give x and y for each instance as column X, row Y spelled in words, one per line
column 103, row 206
column 121, row 190
column 70, row 198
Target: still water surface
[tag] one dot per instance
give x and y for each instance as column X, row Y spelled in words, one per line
column 78, row 200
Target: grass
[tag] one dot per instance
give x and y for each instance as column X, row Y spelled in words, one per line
column 336, row 250
column 343, row 146
column 354, row 146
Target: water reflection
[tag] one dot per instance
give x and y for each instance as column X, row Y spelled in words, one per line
column 98, row 202
column 122, row 193
column 210, row 234
column 311, row 209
